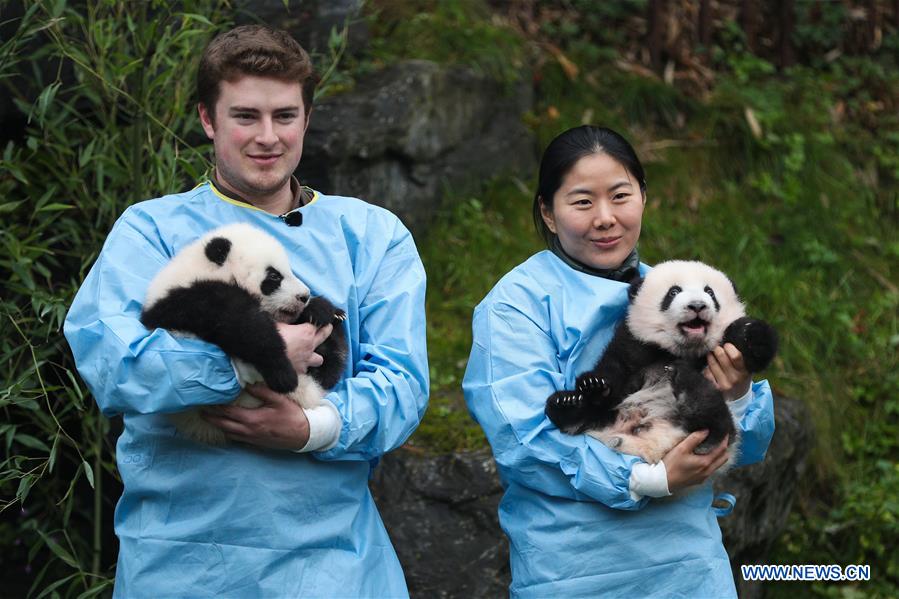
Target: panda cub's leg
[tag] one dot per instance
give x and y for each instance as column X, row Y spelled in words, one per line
column 701, row 406
column 308, row 394
column 645, row 426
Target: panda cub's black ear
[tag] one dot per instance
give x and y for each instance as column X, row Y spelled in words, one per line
column 634, row 289
column 217, row 250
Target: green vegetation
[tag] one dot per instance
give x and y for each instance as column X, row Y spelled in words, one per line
column 789, row 181
column 111, row 121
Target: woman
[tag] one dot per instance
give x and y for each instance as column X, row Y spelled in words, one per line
column 583, row 520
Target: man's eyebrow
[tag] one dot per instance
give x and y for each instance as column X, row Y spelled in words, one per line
column 234, row 109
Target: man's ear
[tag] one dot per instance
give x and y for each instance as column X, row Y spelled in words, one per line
column 206, row 120
column 306, row 126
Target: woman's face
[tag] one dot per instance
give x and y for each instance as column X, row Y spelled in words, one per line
column 596, row 212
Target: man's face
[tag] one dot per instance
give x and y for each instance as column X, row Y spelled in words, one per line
column 258, row 134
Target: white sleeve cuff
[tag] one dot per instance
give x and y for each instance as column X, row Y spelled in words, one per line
column 649, row 480
column 738, row 407
column 324, row 427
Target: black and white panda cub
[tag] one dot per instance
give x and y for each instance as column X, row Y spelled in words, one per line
column 647, row 392
column 230, row 288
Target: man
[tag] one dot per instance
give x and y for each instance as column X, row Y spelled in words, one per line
column 284, row 510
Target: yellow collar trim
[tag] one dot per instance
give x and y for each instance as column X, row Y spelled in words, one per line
column 222, row 196
column 315, row 196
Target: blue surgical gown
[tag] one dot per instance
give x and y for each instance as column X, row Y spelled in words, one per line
column 573, row 528
column 238, row 521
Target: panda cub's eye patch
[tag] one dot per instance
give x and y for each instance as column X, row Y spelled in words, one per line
column 272, row 281
column 669, row 297
column 711, row 293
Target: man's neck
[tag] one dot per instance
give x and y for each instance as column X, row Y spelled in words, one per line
column 278, row 202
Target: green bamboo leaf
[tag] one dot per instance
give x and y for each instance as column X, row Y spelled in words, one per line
column 52, row 587
column 32, row 442
column 29, row 404
column 84, row 156
column 95, row 590
column 53, row 452
column 44, row 100
column 24, row 487
column 60, row 551
column 10, row 206
column 54, row 206
column 89, row 472
column 189, row 16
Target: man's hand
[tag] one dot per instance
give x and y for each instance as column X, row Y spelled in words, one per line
column 301, row 341
column 685, row 468
column 727, row 371
column 279, row 423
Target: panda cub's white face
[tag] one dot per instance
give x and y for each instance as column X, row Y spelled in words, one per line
column 684, row 307
column 243, row 255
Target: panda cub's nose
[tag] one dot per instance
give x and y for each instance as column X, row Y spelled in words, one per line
column 303, row 297
column 697, row 306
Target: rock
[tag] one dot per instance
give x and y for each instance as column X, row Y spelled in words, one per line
column 765, row 492
column 406, row 134
column 309, row 21
column 441, row 512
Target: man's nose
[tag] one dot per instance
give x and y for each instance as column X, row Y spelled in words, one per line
column 266, row 134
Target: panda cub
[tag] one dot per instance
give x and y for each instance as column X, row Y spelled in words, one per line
column 647, row 392
column 230, row 288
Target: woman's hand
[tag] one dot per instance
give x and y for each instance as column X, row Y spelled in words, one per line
column 727, row 371
column 301, row 341
column 685, row 468
column 279, row 423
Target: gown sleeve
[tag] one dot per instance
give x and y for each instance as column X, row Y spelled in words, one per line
column 756, row 425
column 382, row 404
column 512, row 370
column 129, row 369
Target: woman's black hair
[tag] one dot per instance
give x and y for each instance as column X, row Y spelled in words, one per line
column 566, row 149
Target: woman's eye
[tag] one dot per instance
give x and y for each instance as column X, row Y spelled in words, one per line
column 621, row 196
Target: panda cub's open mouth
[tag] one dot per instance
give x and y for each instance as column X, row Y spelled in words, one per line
column 694, row 328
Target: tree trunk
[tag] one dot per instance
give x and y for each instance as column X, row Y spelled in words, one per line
column 748, row 17
column 655, row 22
column 705, row 23
column 786, row 33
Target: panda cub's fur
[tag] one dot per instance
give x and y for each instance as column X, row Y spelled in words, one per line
column 230, row 288
column 647, row 392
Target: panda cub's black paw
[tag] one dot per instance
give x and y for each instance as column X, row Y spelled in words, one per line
column 320, row 312
column 565, row 408
column 756, row 340
column 588, row 383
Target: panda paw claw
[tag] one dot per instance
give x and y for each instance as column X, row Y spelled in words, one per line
column 589, row 382
column 340, row 315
